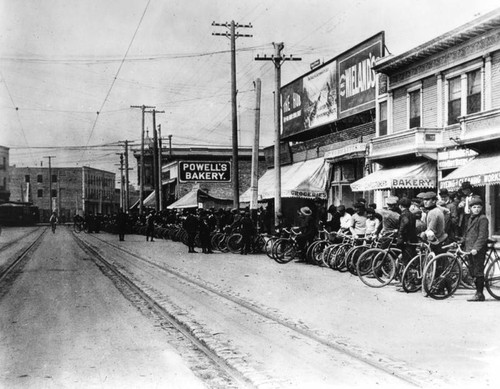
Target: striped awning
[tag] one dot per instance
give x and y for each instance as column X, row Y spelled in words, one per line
column 414, row 175
column 482, row 170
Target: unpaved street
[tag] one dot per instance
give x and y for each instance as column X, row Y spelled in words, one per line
column 64, row 324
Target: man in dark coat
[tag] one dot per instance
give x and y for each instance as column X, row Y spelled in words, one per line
column 475, row 241
column 407, row 231
column 190, row 224
column 205, row 229
column 247, row 231
column 121, row 224
column 150, row 226
column 307, row 230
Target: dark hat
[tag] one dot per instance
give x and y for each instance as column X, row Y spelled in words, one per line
column 444, row 192
column 475, row 201
column 466, row 185
column 392, row 200
column 359, row 205
column 428, row 195
column 370, row 211
column 306, row 211
column 405, row 202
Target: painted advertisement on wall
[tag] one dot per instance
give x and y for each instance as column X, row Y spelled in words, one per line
column 356, row 78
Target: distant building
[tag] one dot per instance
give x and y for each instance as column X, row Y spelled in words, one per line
column 174, row 188
column 4, row 174
column 68, row 191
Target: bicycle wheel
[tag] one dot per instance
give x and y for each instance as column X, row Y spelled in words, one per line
column 352, row 258
column 412, row 275
column 77, row 228
column 384, row 267
column 340, row 257
column 234, row 243
column 442, row 276
column 492, row 279
column 268, row 248
column 467, row 280
column 371, row 260
column 315, row 252
column 326, row 253
column 332, row 256
column 284, row 251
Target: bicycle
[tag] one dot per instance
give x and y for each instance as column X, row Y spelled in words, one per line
column 286, row 249
column 411, row 279
column 444, row 273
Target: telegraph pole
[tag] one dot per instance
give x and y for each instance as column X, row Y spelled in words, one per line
column 160, row 186
column 122, row 183
column 254, row 187
column 278, row 60
column 141, row 175
column 156, row 183
column 232, row 35
column 127, row 182
column 50, row 181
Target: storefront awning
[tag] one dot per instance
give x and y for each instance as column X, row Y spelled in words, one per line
column 189, row 200
column 415, row 175
column 482, row 170
column 195, row 197
column 305, row 179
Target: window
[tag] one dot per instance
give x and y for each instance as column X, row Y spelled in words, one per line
column 54, row 192
column 382, row 124
column 54, row 178
column 473, row 91
column 414, row 108
column 39, row 178
column 4, row 166
column 39, row 193
column 27, row 178
column 454, row 99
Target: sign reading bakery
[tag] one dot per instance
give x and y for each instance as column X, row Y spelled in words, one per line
column 196, row 171
column 356, row 83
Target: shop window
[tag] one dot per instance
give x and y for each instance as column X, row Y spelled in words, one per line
column 39, row 178
column 382, row 124
column 414, row 108
column 473, row 91
column 39, row 193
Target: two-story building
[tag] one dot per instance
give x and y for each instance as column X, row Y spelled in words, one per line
column 328, row 119
column 438, row 117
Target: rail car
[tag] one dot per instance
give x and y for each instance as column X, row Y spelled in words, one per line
column 18, row 214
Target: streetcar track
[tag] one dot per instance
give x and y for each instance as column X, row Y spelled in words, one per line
column 13, row 242
column 167, row 319
column 413, row 376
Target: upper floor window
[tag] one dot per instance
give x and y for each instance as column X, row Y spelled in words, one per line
column 54, row 178
column 54, row 193
column 473, row 91
column 27, row 178
column 382, row 124
column 414, row 108
column 39, row 193
column 39, row 178
column 454, row 99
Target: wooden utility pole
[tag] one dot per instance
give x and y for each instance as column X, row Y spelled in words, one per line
column 141, row 175
column 156, row 167
column 50, row 181
column 278, row 60
column 127, row 182
column 232, row 35
column 160, row 154
column 254, row 186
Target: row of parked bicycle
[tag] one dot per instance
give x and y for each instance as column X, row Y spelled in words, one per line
column 376, row 261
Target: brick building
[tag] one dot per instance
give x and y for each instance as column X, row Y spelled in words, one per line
column 438, row 117
column 174, row 188
column 4, row 174
column 67, row 190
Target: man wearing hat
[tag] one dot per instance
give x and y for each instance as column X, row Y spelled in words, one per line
column 307, row 230
column 407, row 231
column 345, row 219
column 435, row 222
column 390, row 216
column 358, row 221
column 475, row 241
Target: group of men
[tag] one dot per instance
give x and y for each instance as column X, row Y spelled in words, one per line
column 436, row 219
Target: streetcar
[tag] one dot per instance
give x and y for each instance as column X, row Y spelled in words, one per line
column 18, row 214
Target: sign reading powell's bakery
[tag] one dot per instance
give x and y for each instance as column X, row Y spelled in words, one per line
column 191, row 171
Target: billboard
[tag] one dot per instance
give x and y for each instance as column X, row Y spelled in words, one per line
column 310, row 101
column 356, row 77
column 197, row 171
column 339, row 88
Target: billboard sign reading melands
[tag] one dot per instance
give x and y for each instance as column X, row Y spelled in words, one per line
column 356, row 77
column 341, row 87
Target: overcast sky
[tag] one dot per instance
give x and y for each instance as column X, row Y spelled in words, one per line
column 62, row 61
